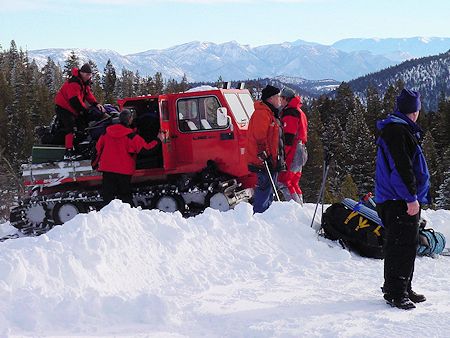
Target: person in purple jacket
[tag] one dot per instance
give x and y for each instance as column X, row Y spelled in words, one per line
column 402, row 184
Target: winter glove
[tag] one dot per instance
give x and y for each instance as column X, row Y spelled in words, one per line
column 263, row 156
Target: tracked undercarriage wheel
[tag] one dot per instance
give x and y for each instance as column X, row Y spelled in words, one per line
column 219, row 202
column 170, row 203
column 34, row 219
column 65, row 211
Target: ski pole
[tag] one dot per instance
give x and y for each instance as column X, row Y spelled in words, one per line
column 321, row 193
column 326, row 167
column 271, row 180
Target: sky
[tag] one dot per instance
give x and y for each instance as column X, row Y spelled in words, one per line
column 131, row 26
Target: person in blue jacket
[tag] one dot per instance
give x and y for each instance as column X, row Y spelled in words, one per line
column 402, row 184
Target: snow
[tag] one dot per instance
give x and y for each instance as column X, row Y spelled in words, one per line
column 143, row 273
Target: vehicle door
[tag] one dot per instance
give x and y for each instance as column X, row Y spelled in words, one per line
column 201, row 135
column 168, row 146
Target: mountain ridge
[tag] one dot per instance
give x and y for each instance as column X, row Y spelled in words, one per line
column 206, row 61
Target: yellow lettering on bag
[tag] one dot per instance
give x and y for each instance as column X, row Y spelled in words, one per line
column 363, row 223
column 377, row 231
column 352, row 214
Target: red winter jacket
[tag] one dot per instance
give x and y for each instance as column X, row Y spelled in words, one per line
column 263, row 135
column 295, row 127
column 74, row 94
column 117, row 149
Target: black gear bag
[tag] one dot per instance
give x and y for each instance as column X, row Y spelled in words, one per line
column 353, row 230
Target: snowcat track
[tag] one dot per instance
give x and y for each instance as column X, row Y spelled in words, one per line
column 36, row 215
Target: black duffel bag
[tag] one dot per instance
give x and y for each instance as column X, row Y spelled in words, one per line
column 353, row 230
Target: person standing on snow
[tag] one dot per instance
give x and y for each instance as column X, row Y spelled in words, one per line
column 71, row 103
column 116, row 158
column 295, row 131
column 402, row 183
column 264, row 143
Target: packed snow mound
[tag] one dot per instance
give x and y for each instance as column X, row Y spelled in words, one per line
column 124, row 270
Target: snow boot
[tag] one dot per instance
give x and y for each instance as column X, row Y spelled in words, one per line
column 416, row 297
column 401, row 302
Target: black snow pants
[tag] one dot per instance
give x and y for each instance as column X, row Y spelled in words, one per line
column 116, row 186
column 400, row 246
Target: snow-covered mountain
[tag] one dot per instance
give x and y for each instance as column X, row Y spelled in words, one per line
column 206, row 61
column 125, row 272
column 396, row 49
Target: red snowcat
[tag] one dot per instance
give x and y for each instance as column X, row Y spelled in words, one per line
column 200, row 163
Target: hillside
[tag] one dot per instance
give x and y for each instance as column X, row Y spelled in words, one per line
column 429, row 75
column 131, row 273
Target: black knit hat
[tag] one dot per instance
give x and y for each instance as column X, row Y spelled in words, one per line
column 86, row 68
column 269, row 91
column 408, row 101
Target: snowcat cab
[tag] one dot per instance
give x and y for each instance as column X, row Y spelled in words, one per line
column 201, row 161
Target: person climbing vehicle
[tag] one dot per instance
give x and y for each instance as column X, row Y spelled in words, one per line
column 116, row 156
column 72, row 103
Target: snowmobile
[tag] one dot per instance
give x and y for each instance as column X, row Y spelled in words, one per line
column 200, row 163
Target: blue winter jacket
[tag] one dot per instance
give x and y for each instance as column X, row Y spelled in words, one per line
column 401, row 169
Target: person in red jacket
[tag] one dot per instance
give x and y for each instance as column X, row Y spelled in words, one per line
column 295, row 130
column 116, row 154
column 74, row 100
column 264, row 144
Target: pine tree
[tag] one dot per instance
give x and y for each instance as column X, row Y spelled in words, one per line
column 137, row 84
column 359, row 146
column 5, row 101
column 125, row 84
column 159, row 84
column 443, row 193
column 19, row 124
column 434, row 167
column 313, row 169
column 219, row 82
column 52, row 76
column 390, row 97
column 349, row 188
column 444, row 110
column 147, row 87
column 96, row 80
column 374, row 108
column 172, row 86
column 183, row 86
column 389, row 100
column 332, row 139
column 344, row 103
column 72, row 61
column 109, row 82
column 39, row 98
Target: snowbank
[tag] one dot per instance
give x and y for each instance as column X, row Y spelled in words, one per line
column 124, row 271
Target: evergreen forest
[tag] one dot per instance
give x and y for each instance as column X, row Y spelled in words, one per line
column 341, row 126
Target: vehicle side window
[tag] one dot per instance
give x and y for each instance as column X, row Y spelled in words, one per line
column 188, row 114
column 209, row 118
column 197, row 114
